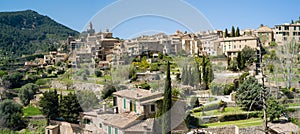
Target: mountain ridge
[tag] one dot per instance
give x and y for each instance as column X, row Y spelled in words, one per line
column 27, row 32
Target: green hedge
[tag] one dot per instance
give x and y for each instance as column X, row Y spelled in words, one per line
column 241, row 116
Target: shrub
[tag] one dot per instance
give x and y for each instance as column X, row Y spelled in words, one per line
column 108, row 91
column 288, row 93
column 144, row 86
column 211, row 107
column 98, row 73
column 197, row 110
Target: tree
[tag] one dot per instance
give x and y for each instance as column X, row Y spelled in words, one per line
column 240, row 62
column 154, row 67
column 232, row 33
column 27, row 93
column 167, row 103
column 87, row 99
column 108, row 91
column 287, row 56
column 191, row 77
column 197, row 75
column 41, row 82
column 11, row 115
column 132, row 73
column 69, row 108
column 237, row 33
column 233, row 66
column 274, row 109
column 98, row 73
column 248, row 94
column 2, row 73
column 248, row 55
column 49, row 104
column 13, row 80
column 207, row 72
column 195, row 102
column 226, row 33
column 184, row 76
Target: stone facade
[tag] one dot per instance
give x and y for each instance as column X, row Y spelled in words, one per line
column 232, row 45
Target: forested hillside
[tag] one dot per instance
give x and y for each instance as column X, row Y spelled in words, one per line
column 27, row 32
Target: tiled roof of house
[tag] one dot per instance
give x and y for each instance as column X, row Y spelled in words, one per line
column 284, row 127
column 264, row 29
column 138, row 94
column 122, row 120
column 141, row 126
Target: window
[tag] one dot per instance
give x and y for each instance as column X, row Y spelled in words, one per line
column 284, row 38
column 234, row 46
column 124, row 100
column 229, row 47
column 116, row 130
column 152, row 108
column 87, row 121
column 294, row 33
column 295, row 27
column 286, row 27
column 279, row 28
column 240, row 46
column 100, row 125
column 134, row 106
column 108, row 129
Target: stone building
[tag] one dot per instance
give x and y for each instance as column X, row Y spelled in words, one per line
column 232, row 45
column 131, row 114
column 286, row 33
column 265, row 35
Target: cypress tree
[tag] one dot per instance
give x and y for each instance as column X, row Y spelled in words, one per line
column 232, row 33
column 167, row 104
column 226, row 33
column 240, row 61
column 191, row 77
column 197, row 75
column 185, row 79
column 237, row 33
column 204, row 70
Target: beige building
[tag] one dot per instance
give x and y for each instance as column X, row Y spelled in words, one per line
column 130, row 115
column 286, row 33
column 232, row 45
column 265, row 35
column 54, row 57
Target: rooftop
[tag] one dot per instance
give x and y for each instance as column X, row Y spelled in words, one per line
column 239, row 38
column 141, row 126
column 122, row 120
column 138, row 94
column 264, row 29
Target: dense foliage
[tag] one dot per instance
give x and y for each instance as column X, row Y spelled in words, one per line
column 49, row 104
column 108, row 91
column 69, row 108
column 27, row 93
column 11, row 115
column 248, row 94
column 167, row 104
column 274, row 109
column 25, row 32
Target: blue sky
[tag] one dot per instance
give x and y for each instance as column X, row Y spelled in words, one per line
column 220, row 13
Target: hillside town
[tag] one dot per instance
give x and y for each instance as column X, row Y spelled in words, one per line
column 227, row 81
